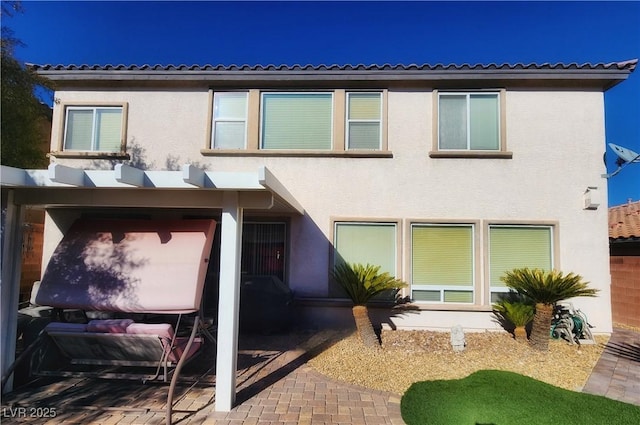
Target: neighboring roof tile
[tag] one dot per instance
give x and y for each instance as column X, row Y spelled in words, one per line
column 624, row 221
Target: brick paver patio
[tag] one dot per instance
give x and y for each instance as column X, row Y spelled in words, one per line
column 617, row 373
column 275, row 386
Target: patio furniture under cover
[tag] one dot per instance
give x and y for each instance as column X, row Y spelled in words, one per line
column 123, row 266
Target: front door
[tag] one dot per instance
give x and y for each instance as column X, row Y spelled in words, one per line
column 263, row 249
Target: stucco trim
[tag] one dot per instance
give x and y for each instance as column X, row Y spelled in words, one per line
column 471, row 154
column 298, row 153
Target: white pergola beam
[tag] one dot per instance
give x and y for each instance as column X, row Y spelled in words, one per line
column 129, row 175
column 132, row 197
column 67, row 175
column 193, row 175
column 229, row 302
column 270, row 182
column 11, row 176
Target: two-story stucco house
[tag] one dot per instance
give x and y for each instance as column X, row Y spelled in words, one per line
column 445, row 176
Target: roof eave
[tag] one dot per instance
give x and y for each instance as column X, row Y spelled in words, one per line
column 602, row 76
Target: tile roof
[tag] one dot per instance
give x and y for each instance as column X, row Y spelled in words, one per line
column 628, row 65
column 586, row 75
column 624, row 221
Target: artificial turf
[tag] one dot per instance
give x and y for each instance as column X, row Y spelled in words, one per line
column 506, row 398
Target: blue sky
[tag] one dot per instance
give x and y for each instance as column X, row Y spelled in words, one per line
column 301, row 32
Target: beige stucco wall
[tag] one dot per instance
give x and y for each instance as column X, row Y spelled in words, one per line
column 557, row 140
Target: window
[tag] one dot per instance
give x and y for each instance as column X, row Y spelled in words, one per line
column 372, row 243
column 297, row 121
column 97, row 129
column 229, row 120
column 329, row 123
column 442, row 263
column 515, row 247
column 367, row 243
column 364, row 117
column 469, row 121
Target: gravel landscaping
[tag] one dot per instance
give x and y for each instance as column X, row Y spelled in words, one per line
column 411, row 356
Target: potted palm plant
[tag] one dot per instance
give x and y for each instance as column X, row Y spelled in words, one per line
column 545, row 289
column 361, row 283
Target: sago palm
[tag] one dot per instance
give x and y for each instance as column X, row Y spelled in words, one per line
column 517, row 312
column 361, row 283
column 546, row 288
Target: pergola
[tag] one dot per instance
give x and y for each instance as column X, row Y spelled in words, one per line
column 130, row 187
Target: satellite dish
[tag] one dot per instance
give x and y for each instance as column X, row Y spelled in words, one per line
column 625, row 157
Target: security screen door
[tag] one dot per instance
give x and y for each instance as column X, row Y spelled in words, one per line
column 263, row 249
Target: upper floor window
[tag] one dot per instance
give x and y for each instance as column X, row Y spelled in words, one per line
column 339, row 122
column 364, row 120
column 297, row 121
column 229, row 120
column 469, row 121
column 94, row 129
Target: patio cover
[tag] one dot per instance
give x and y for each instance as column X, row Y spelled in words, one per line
column 126, row 186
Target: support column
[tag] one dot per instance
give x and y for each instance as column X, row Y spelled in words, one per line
column 10, row 283
column 229, row 303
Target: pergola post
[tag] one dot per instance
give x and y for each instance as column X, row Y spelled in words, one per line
column 229, row 302
column 10, row 284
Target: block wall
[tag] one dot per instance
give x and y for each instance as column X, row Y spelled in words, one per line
column 625, row 290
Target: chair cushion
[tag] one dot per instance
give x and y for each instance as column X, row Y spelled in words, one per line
column 109, row 325
column 65, row 327
column 163, row 330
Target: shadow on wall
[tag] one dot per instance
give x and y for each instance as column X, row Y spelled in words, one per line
column 139, row 159
column 137, row 155
column 332, row 308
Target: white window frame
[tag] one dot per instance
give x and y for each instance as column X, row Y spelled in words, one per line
column 442, row 288
column 94, row 109
column 468, row 95
column 261, row 117
column 348, row 121
column 215, row 120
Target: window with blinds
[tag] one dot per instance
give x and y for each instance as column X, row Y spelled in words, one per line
column 469, row 121
column 97, row 129
column 442, row 263
column 364, row 120
column 366, row 243
column 513, row 247
column 297, row 121
column 229, row 120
